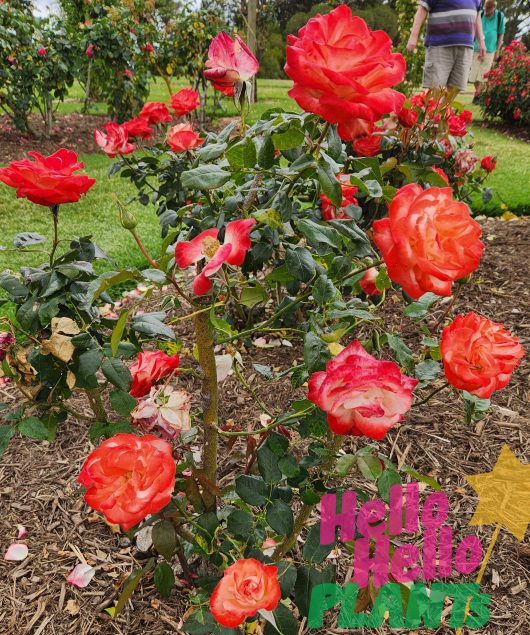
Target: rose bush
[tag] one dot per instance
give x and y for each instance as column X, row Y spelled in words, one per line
column 506, row 93
column 267, row 231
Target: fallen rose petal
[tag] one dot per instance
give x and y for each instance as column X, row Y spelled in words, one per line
column 81, row 575
column 21, row 531
column 17, row 552
column 223, row 364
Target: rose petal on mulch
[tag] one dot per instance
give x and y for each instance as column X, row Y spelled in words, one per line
column 81, row 575
column 223, row 364
column 21, row 531
column 17, row 552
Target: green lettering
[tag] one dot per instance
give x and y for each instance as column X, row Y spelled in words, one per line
column 323, row 597
column 388, row 599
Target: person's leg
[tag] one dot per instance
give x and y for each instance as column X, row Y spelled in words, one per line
column 459, row 74
column 438, row 65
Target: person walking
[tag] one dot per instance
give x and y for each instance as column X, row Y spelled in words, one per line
column 452, row 27
column 493, row 26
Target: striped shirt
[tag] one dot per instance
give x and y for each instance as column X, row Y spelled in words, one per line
column 451, row 22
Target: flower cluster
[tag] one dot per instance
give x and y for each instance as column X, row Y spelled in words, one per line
column 115, row 139
column 506, row 93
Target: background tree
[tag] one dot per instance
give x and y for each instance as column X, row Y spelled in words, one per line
column 406, row 9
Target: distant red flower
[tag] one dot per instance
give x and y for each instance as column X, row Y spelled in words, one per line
column 488, row 163
column 457, row 126
column 42, row 51
column 441, row 173
column 128, row 73
column 148, row 368
column 185, row 101
column 148, row 48
column 48, row 180
column 407, row 117
column 115, row 140
column 182, row 137
column 155, row 112
column 367, row 146
column 368, row 282
column 329, row 211
column 467, row 116
column 89, row 50
column 138, row 128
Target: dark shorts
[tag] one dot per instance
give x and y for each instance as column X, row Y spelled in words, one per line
column 447, row 66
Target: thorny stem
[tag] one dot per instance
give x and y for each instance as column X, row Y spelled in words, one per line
column 143, row 249
column 288, row 307
column 251, row 390
column 434, row 392
column 210, row 395
column 96, row 403
column 278, row 422
column 55, row 216
column 130, row 165
column 334, row 444
column 451, row 304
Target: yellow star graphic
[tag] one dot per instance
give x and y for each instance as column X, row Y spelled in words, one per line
column 504, row 494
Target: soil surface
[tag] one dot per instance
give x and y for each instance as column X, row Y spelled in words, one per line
column 517, row 132
column 74, row 131
column 38, row 486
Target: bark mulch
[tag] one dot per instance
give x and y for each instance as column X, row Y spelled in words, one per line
column 38, row 483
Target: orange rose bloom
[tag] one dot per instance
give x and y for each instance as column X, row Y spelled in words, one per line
column 428, row 240
column 479, row 355
column 247, row 586
column 129, row 477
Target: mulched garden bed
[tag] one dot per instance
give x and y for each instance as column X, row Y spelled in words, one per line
column 74, row 131
column 38, row 486
column 515, row 132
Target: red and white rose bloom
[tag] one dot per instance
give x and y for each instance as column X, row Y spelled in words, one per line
column 230, row 63
column 114, row 141
column 206, row 246
column 166, row 410
column 479, row 355
column 465, row 161
column 428, row 240
column 362, row 395
column 343, row 71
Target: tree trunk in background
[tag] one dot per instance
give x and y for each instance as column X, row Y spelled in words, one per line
column 48, row 116
column 87, row 87
column 252, row 40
